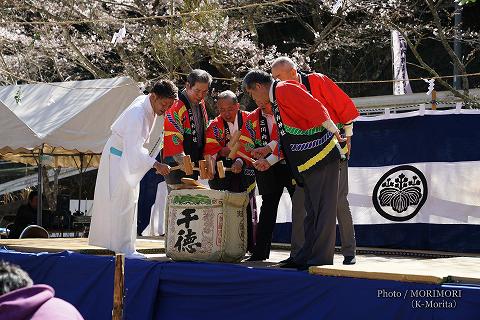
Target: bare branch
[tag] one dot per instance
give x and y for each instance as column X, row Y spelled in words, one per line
column 87, row 64
column 445, row 84
column 441, row 35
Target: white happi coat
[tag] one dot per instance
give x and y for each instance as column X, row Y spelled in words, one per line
column 123, row 163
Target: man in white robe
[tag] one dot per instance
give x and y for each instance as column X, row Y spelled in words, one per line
column 123, row 163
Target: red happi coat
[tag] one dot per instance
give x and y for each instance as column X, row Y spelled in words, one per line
column 178, row 130
column 216, row 139
column 300, row 117
column 340, row 107
column 298, row 109
column 251, row 137
column 279, row 175
column 216, row 133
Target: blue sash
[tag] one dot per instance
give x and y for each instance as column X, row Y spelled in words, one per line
column 115, row 151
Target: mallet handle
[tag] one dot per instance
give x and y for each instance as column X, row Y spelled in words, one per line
column 244, row 156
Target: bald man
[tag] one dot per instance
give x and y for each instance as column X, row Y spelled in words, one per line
column 342, row 111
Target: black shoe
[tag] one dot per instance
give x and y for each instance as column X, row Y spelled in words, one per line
column 349, row 260
column 303, row 267
column 290, row 259
column 254, row 258
column 290, row 264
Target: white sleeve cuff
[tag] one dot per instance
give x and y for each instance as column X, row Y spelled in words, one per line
column 330, row 126
column 348, row 129
column 272, row 159
column 272, row 144
column 153, row 161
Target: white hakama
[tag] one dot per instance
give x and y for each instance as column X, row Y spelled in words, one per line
column 123, row 163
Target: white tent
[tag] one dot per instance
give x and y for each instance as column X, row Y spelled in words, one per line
column 66, row 120
column 15, row 134
column 67, row 123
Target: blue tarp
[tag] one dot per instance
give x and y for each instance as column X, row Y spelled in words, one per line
column 186, row 290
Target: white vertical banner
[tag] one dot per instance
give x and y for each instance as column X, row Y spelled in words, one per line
column 399, row 60
column 337, row 5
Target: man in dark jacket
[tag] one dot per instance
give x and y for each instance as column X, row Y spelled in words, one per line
column 26, row 215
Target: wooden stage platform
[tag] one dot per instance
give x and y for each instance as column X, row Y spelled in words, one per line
column 406, row 266
column 145, row 245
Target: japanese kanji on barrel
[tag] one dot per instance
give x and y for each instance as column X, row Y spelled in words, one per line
column 206, row 225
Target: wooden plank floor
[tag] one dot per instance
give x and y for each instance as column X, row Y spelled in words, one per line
column 411, row 269
column 146, row 245
column 420, row 270
column 455, row 269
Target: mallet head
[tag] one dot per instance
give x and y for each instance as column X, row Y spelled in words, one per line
column 188, row 165
column 220, row 169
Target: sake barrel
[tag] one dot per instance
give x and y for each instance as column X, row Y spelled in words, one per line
column 206, row 225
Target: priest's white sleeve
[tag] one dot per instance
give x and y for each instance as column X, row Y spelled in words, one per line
column 135, row 160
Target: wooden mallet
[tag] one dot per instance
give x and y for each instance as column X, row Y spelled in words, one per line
column 202, row 169
column 234, row 139
column 209, row 166
column 244, row 156
column 221, row 169
column 195, row 183
column 233, row 150
column 187, row 166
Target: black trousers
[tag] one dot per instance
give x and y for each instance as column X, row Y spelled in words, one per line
column 321, row 196
column 266, row 224
column 250, row 240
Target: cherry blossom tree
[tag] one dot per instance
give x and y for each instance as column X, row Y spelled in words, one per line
column 64, row 40
column 349, row 40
